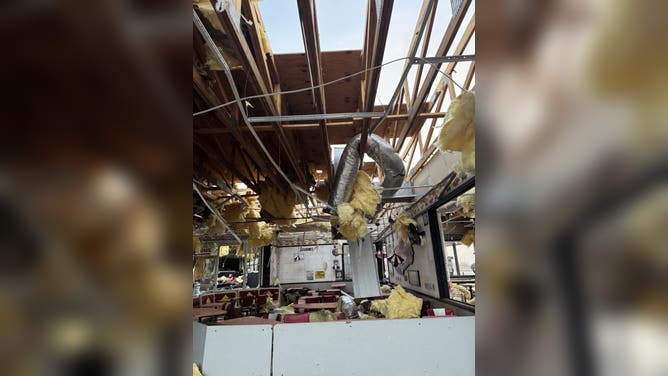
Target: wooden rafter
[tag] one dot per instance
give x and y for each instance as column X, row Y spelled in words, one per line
column 209, row 98
column 425, row 46
column 232, row 28
column 446, row 42
column 309, row 24
column 380, row 18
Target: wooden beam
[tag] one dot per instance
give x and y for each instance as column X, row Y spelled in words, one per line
column 232, row 126
column 377, row 50
column 309, row 24
column 425, row 45
column 446, row 42
column 383, row 16
column 237, row 38
column 248, row 9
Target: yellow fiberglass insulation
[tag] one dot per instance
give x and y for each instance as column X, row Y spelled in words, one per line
column 466, row 205
column 402, row 223
column 399, row 305
column 216, row 227
column 236, row 212
column 196, row 371
column 351, row 222
column 458, row 118
column 197, row 244
column 321, row 316
column 278, row 204
column 265, row 238
column 254, row 227
column 364, row 197
column 468, row 238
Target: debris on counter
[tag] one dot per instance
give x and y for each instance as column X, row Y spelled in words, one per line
column 399, row 305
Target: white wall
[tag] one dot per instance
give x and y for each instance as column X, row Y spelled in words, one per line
column 434, row 346
column 428, row 346
column 289, row 271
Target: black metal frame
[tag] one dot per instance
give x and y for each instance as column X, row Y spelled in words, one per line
column 436, row 236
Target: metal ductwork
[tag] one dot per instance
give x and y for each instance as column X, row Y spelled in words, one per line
column 381, row 152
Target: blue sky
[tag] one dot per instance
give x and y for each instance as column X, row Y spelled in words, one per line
column 341, row 25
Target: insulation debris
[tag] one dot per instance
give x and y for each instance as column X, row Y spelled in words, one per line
column 288, row 309
column 385, row 289
column 458, row 133
column 215, row 226
column 459, row 117
column 363, row 200
column 268, row 306
column 399, row 305
column 459, row 292
column 364, row 196
column 266, row 237
column 402, row 223
column 197, row 244
column 254, row 227
column 196, row 371
column 278, row 204
column 466, row 205
column 322, row 316
column 236, row 212
column 351, row 222
column 468, row 238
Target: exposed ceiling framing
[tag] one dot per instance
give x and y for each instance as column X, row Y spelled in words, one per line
column 225, row 151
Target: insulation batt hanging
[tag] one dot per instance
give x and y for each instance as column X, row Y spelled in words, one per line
column 364, row 196
column 466, row 205
column 381, row 152
column 458, row 132
column 402, row 224
column 278, row 204
column 364, row 200
column 351, row 222
column 468, row 238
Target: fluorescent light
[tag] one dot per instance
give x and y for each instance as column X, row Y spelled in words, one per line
column 318, row 171
column 241, row 186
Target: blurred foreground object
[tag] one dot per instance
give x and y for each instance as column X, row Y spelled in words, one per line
column 571, row 173
column 95, row 171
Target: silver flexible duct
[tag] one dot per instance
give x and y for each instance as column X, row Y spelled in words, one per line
column 381, row 152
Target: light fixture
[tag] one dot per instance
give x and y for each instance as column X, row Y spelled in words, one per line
column 318, row 172
column 241, row 186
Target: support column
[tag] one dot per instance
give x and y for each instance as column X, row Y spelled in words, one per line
column 364, row 268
